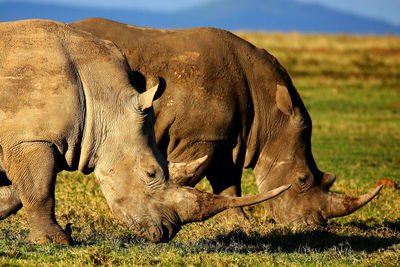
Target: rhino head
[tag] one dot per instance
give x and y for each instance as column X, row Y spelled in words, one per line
column 133, row 176
column 287, row 158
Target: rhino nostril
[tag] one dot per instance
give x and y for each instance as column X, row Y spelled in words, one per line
column 161, row 234
column 154, row 234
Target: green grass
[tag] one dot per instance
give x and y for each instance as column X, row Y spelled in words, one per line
column 351, row 87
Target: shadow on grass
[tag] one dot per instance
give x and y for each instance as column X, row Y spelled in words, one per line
column 281, row 240
column 358, row 236
column 308, row 241
column 368, row 225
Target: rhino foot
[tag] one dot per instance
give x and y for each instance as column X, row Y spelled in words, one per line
column 50, row 236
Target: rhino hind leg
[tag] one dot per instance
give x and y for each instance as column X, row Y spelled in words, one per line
column 32, row 170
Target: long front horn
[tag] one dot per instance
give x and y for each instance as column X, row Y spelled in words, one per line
column 193, row 205
column 341, row 205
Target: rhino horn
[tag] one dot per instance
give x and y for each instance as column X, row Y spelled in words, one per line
column 182, row 172
column 328, row 180
column 341, row 205
column 195, row 205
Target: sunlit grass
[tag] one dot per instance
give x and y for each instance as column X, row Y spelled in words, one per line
column 351, row 87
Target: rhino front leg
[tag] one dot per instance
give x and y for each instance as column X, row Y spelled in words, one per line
column 32, row 170
column 225, row 179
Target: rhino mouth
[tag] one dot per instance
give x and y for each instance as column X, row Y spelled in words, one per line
column 309, row 219
column 165, row 230
column 161, row 233
column 325, row 205
column 162, row 217
column 156, row 229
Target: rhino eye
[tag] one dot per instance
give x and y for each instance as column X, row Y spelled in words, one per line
column 303, row 178
column 151, row 174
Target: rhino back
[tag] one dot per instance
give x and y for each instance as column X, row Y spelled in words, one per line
column 220, row 88
column 197, row 104
column 39, row 100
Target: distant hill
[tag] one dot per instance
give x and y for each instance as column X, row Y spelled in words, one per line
column 269, row 15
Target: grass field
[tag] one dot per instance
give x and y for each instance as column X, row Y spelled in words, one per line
column 351, row 86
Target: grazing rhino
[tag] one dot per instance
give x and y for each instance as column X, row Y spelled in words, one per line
column 66, row 102
column 234, row 102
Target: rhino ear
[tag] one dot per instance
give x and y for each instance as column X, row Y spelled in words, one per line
column 145, row 100
column 283, row 100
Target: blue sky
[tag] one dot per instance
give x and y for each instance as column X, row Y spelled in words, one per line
column 388, row 10
column 155, row 5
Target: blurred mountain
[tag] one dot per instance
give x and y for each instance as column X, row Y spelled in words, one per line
column 387, row 10
column 269, row 15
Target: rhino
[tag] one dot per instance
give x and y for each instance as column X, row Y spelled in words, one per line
column 67, row 103
column 236, row 103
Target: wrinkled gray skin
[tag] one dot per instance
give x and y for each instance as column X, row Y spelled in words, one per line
column 66, row 102
column 235, row 103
